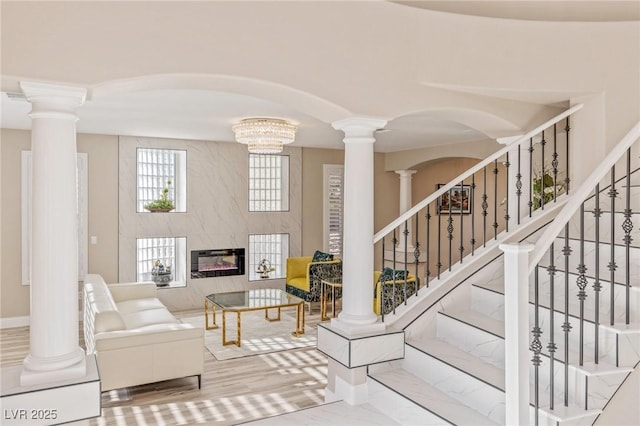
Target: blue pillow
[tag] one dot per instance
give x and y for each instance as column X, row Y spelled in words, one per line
column 388, row 274
column 320, row 256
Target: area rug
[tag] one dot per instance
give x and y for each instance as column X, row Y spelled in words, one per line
column 259, row 336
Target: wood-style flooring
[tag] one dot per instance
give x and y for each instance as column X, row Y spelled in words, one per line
column 233, row 391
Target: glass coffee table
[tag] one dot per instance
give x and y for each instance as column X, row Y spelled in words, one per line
column 251, row 300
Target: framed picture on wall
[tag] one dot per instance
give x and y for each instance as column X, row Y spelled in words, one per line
column 457, row 200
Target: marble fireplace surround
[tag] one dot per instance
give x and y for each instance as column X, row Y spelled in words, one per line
column 217, row 213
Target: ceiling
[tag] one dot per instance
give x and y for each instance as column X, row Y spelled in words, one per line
column 538, row 10
column 209, row 115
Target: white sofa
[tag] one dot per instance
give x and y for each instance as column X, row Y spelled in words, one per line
column 134, row 336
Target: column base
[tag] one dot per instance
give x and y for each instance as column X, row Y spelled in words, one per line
column 36, row 371
column 351, row 325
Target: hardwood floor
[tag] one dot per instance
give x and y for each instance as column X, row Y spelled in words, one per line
column 233, row 391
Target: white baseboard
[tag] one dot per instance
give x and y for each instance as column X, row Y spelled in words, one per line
column 12, row 322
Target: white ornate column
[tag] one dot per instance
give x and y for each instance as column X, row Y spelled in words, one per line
column 357, row 274
column 54, row 353
column 405, row 204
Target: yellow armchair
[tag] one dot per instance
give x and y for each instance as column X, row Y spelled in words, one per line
column 391, row 299
column 304, row 276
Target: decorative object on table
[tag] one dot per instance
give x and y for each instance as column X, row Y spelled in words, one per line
column 457, row 200
column 544, row 189
column 264, row 268
column 161, row 274
column 163, row 204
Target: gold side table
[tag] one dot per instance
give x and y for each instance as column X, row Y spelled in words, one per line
column 327, row 287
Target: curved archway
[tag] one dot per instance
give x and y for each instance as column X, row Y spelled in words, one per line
column 301, row 101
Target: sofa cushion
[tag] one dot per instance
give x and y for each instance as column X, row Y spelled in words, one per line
column 319, row 256
column 137, row 305
column 300, row 283
column 389, row 274
column 100, row 308
column 149, row 317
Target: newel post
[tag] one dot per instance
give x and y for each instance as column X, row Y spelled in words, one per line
column 516, row 334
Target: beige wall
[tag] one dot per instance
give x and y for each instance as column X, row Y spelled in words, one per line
column 15, row 296
column 386, row 197
column 102, row 210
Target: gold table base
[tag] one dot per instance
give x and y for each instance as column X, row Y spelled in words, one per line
column 238, row 311
column 327, row 287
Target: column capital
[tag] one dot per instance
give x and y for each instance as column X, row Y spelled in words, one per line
column 53, row 100
column 516, row 247
column 359, row 129
column 406, row 172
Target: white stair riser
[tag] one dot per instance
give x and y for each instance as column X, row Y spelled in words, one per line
column 399, row 408
column 621, row 199
column 481, row 344
column 605, row 227
column 589, row 260
column 459, row 385
column 585, row 390
column 487, row 302
column 604, row 297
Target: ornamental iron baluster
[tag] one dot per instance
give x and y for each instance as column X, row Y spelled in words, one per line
column 554, row 162
column 613, row 193
column 530, row 176
column 450, row 228
column 393, row 283
column 473, row 213
column 581, row 281
column 495, row 200
column 627, row 227
column 543, row 142
column 382, row 305
column 536, row 348
column 406, row 262
column 566, row 179
column 485, row 205
column 551, row 346
column 596, row 285
column 518, row 186
column 416, row 254
column 461, row 248
column 428, row 272
column 566, row 326
column 439, row 264
column 506, row 198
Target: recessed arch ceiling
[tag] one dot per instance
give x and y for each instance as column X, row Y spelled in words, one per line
column 538, row 10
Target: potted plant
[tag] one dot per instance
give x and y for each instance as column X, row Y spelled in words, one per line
column 162, row 204
column 544, row 189
column 264, row 268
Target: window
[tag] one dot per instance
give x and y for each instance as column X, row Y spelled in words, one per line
column 158, row 167
column 82, row 188
column 272, row 247
column 170, row 252
column 268, row 183
column 333, row 208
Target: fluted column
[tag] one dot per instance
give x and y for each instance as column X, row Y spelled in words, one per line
column 54, row 353
column 405, row 204
column 357, row 298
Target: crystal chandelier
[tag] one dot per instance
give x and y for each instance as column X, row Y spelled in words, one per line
column 264, row 135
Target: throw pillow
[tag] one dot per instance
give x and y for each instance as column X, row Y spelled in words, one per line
column 389, row 274
column 320, row 256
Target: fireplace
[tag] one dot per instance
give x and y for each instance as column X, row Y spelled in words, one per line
column 217, row 263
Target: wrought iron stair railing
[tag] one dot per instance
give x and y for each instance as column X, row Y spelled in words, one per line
column 493, row 196
column 613, row 189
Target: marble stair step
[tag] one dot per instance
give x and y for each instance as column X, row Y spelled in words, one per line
column 461, row 360
column 430, row 399
column 477, row 320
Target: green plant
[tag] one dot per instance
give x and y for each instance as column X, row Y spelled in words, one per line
column 163, row 203
column 544, row 189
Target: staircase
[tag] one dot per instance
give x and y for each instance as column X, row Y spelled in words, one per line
column 453, row 371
